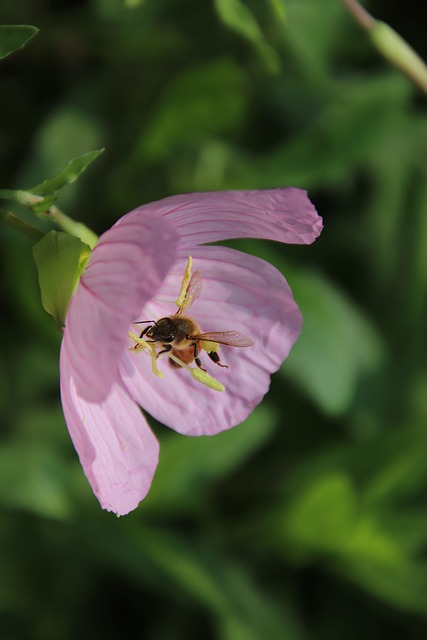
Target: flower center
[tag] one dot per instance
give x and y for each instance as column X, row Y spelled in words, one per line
column 198, row 374
column 174, row 335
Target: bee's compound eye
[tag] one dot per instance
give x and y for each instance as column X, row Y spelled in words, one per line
column 170, row 331
column 165, row 330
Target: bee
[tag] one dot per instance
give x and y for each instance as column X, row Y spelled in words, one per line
column 181, row 335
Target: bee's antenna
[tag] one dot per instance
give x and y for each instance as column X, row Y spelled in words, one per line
column 144, row 322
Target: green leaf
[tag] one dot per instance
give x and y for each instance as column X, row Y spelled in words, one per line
column 196, row 463
column 60, row 259
column 14, row 37
column 278, row 7
column 33, row 477
column 239, row 606
column 237, row 16
column 403, row 585
column 399, row 469
column 69, row 174
column 337, row 344
column 377, row 561
column 371, row 543
column 190, row 106
column 323, row 514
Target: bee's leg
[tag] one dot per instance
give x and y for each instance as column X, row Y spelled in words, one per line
column 167, row 348
column 199, row 364
column 196, row 358
column 215, row 358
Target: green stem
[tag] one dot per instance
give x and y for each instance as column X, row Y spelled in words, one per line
column 34, row 202
column 390, row 44
column 72, row 227
column 362, row 16
column 16, row 223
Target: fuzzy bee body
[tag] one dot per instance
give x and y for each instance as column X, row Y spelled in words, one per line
column 181, row 336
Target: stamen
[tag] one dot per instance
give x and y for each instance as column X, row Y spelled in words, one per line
column 140, row 345
column 185, row 282
column 182, row 303
column 199, row 374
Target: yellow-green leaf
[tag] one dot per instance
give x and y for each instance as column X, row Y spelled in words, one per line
column 14, row 37
column 60, row 259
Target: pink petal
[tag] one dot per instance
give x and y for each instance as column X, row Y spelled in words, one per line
column 125, row 270
column 117, row 450
column 240, row 292
column 285, row 215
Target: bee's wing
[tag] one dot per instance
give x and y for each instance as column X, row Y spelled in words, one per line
column 193, row 291
column 229, row 338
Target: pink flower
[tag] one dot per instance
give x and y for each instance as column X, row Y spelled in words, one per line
column 135, row 273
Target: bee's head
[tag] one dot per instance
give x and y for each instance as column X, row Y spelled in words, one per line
column 162, row 331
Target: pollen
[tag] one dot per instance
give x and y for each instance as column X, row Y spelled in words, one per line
column 209, row 346
column 199, row 375
column 140, row 345
column 184, row 285
column 190, row 290
column 195, row 372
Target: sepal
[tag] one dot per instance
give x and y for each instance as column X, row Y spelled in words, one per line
column 60, row 259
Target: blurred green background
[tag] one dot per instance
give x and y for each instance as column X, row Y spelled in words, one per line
column 309, row 521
